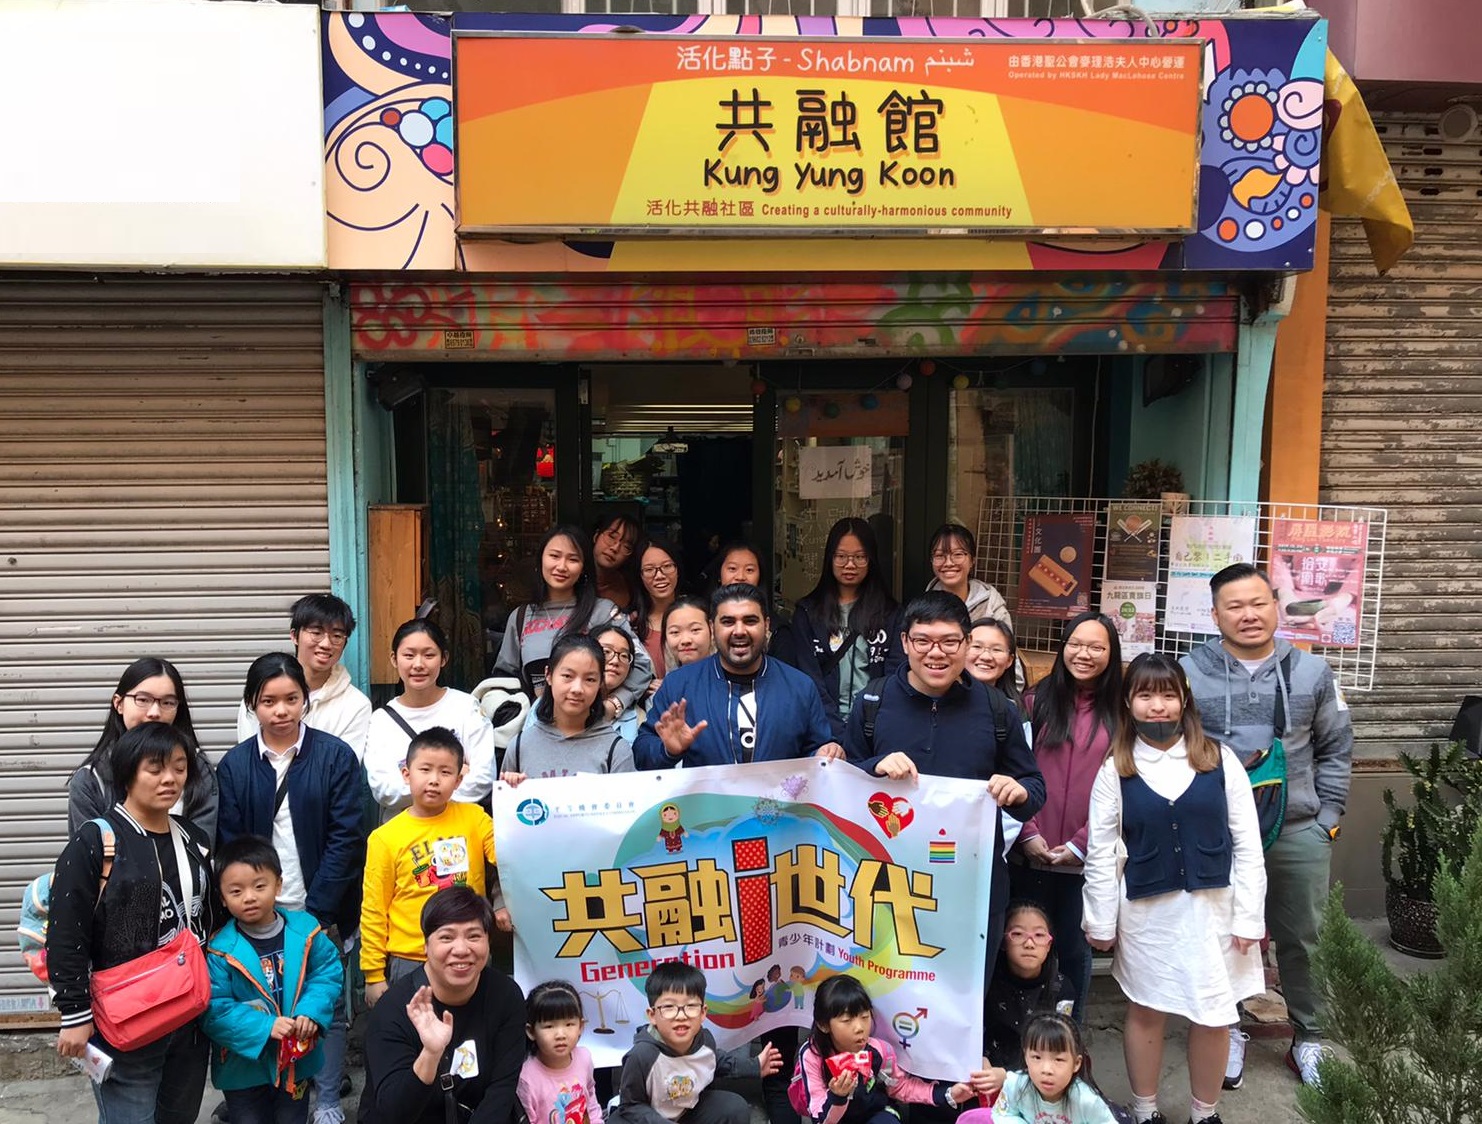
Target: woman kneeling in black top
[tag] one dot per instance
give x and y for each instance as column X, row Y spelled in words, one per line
column 447, row 1041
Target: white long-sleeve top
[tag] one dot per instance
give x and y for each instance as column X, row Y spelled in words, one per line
column 386, row 748
column 1175, row 951
column 1168, row 773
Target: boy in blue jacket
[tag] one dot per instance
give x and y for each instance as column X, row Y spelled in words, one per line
column 275, row 976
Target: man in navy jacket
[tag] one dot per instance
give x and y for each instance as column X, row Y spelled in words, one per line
column 933, row 718
column 739, row 705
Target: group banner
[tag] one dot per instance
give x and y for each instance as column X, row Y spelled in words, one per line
column 770, row 878
column 646, row 134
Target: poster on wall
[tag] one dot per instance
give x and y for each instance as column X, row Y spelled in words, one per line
column 1317, row 570
column 770, row 878
column 1200, row 546
column 1055, row 566
column 1133, row 608
column 835, row 472
column 1132, row 531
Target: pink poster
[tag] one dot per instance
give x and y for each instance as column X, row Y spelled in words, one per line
column 1317, row 570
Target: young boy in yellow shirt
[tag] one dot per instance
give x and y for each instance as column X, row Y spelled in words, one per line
column 435, row 843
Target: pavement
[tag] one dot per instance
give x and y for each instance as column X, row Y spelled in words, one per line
column 1268, row 1096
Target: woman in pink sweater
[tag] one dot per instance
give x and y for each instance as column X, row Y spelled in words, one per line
column 1075, row 712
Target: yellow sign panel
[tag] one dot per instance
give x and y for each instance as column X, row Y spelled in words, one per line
column 646, row 134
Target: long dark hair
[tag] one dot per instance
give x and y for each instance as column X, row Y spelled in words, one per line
column 113, row 725
column 1055, row 695
column 545, row 706
column 585, row 590
column 873, row 608
column 645, row 604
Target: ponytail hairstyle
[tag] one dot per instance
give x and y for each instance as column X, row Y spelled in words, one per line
column 1155, row 671
column 551, row 1002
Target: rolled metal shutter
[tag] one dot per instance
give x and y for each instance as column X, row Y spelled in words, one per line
column 162, row 492
column 1402, row 408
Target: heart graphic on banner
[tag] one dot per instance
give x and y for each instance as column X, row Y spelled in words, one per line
column 893, row 813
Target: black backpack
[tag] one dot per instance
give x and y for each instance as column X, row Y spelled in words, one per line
column 869, row 705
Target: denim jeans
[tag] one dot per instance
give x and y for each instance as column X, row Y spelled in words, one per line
column 336, row 1041
column 265, row 1104
column 161, row 1083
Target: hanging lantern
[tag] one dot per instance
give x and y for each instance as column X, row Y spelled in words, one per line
column 927, row 367
column 868, row 402
column 793, row 404
column 960, row 382
column 903, row 382
column 758, row 387
column 830, row 409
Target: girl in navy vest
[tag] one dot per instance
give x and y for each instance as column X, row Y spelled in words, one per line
column 1186, row 912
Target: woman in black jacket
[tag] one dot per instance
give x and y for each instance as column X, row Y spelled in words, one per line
column 847, row 631
column 159, row 879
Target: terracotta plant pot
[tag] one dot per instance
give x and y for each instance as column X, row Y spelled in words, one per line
column 1175, row 503
column 1412, row 924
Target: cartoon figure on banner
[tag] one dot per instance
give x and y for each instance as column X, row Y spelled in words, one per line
column 796, row 979
column 779, row 994
column 671, row 831
column 758, row 1000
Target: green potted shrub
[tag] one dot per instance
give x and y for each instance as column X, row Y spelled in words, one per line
column 1436, row 826
column 1157, row 480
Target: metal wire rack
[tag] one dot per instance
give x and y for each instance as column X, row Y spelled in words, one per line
column 1000, row 539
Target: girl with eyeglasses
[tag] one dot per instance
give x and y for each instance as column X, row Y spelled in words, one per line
column 571, row 733
column 613, row 544
column 661, row 573
column 150, row 690
column 1075, row 712
column 847, row 630
column 993, row 658
column 953, row 549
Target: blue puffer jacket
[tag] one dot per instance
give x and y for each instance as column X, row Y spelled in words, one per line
column 240, row 1019
column 789, row 721
column 324, row 790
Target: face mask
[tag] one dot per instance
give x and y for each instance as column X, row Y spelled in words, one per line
column 1158, row 731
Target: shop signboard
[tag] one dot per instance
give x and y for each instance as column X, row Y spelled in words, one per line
column 1200, row 546
column 1055, row 565
column 1317, row 570
column 647, row 134
column 835, row 472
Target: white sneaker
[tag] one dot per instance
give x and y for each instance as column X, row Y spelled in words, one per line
column 1303, row 1058
column 1235, row 1062
column 329, row 1116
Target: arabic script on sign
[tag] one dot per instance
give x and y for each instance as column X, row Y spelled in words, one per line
column 834, row 472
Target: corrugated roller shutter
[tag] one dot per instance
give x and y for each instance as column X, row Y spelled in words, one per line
column 1402, row 409
column 162, row 492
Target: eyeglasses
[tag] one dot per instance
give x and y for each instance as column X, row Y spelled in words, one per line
column 674, row 1010
column 610, row 654
column 661, row 568
column 852, row 559
column 985, row 650
column 1028, row 936
column 1089, row 649
column 923, row 644
column 145, row 702
column 319, row 635
column 958, row 556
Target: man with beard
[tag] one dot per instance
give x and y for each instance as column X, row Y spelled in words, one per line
column 737, row 706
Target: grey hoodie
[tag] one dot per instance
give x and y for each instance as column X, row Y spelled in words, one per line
column 540, row 750
column 1239, row 709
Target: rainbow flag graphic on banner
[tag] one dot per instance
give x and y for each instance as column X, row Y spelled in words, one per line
column 941, row 851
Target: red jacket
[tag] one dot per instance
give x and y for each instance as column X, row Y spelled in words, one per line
column 1069, row 769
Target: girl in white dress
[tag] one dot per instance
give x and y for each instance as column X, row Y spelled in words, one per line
column 1175, row 883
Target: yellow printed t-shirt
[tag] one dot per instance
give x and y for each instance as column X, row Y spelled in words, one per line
column 408, row 859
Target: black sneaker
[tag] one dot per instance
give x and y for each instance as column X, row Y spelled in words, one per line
column 1212, row 1118
column 219, row 1115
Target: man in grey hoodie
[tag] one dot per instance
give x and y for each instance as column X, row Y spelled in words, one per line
column 1237, row 682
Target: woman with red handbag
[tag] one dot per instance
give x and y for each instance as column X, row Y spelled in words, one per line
column 132, row 899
